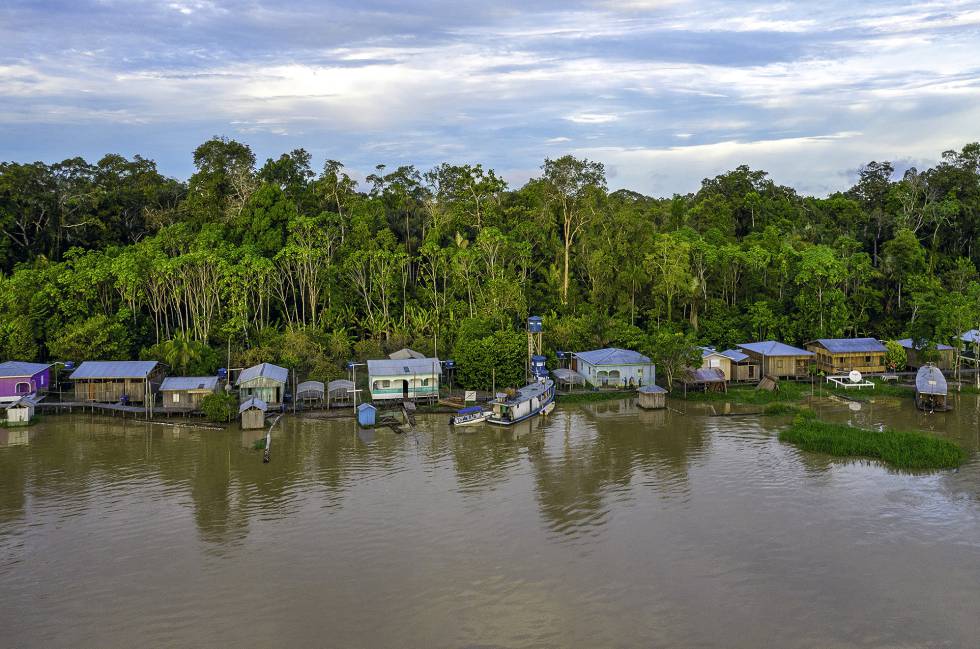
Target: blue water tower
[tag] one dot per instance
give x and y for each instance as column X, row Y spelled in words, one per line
column 534, row 324
column 366, row 414
column 537, row 366
column 69, row 365
column 450, row 364
column 222, row 373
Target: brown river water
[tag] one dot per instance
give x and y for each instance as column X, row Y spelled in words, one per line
column 600, row 526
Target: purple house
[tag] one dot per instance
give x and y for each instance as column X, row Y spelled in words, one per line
column 18, row 379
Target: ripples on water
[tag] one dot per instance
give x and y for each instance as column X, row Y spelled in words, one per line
column 603, row 525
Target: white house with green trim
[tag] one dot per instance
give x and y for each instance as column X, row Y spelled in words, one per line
column 404, row 379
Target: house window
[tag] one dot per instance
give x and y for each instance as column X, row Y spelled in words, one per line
column 386, row 384
column 23, row 388
column 779, row 364
column 867, row 359
column 425, row 382
column 639, row 372
column 176, row 397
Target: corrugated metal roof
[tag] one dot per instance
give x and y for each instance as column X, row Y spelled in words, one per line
column 406, row 367
column 189, row 383
column 264, row 370
column 704, row 375
column 613, row 356
column 21, row 368
column 851, row 345
column 651, row 389
column 735, row 355
column 568, row 376
column 404, row 354
column 113, row 370
column 774, row 348
column 929, row 380
column 253, row 402
column 315, row 388
column 340, row 385
column 908, row 344
column 972, row 336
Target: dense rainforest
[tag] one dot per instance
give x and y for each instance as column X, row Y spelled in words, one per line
column 308, row 268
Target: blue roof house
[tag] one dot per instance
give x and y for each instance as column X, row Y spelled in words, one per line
column 736, row 365
column 614, row 368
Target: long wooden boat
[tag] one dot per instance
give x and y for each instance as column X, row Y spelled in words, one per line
column 527, row 402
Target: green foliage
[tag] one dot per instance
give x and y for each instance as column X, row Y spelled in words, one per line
column 309, row 270
column 900, row 449
column 220, row 407
column 484, row 357
column 895, row 358
column 96, row 338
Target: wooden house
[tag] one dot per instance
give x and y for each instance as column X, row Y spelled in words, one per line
column 184, row 393
column 614, row 368
column 944, row 355
column 843, row 355
column 737, row 365
column 264, row 381
column 778, row 359
column 19, row 379
column 252, row 413
column 651, row 397
column 405, row 379
column 115, row 381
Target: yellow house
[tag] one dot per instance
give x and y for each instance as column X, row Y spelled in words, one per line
column 843, row 355
column 736, row 365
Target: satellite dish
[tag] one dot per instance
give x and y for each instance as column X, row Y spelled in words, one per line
column 854, row 376
column 853, row 405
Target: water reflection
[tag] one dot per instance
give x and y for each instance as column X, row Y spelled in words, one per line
column 617, row 516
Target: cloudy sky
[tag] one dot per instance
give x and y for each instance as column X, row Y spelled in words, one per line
column 663, row 92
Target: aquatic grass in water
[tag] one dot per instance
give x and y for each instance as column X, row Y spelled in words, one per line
column 588, row 396
column 781, row 408
column 900, row 449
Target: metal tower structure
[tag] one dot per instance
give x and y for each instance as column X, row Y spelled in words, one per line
column 535, row 358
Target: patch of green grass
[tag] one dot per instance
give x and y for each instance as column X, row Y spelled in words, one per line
column 589, row 397
column 900, row 449
column 782, row 408
column 259, row 444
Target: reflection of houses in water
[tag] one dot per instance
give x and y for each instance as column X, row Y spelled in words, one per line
column 15, row 437
column 585, row 464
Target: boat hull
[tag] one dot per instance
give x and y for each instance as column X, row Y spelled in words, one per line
column 547, row 400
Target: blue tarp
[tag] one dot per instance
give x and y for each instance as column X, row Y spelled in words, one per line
column 470, row 410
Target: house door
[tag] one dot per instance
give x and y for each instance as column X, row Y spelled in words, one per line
column 751, row 371
column 404, row 389
column 90, row 391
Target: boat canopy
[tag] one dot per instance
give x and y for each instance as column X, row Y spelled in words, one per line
column 566, row 375
column 929, row 380
column 470, row 410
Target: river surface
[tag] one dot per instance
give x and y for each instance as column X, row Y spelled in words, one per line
column 602, row 526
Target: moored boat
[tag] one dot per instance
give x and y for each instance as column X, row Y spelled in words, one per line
column 523, row 403
column 469, row 416
column 931, row 391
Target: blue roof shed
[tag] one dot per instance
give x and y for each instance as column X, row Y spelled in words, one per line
column 366, row 414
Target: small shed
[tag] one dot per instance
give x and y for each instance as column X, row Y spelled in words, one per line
column 21, row 412
column 652, row 397
column 18, row 379
column 778, row 359
column 931, row 391
column 613, row 367
column 340, row 393
column 366, row 414
column 265, row 381
column 915, row 357
column 184, row 393
column 252, row 412
column 843, row 355
column 110, row 381
column 310, row 392
column 703, row 380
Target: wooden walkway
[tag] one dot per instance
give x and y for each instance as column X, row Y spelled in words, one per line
column 114, row 408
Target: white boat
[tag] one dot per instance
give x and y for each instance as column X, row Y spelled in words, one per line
column 527, row 402
column 469, row 416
